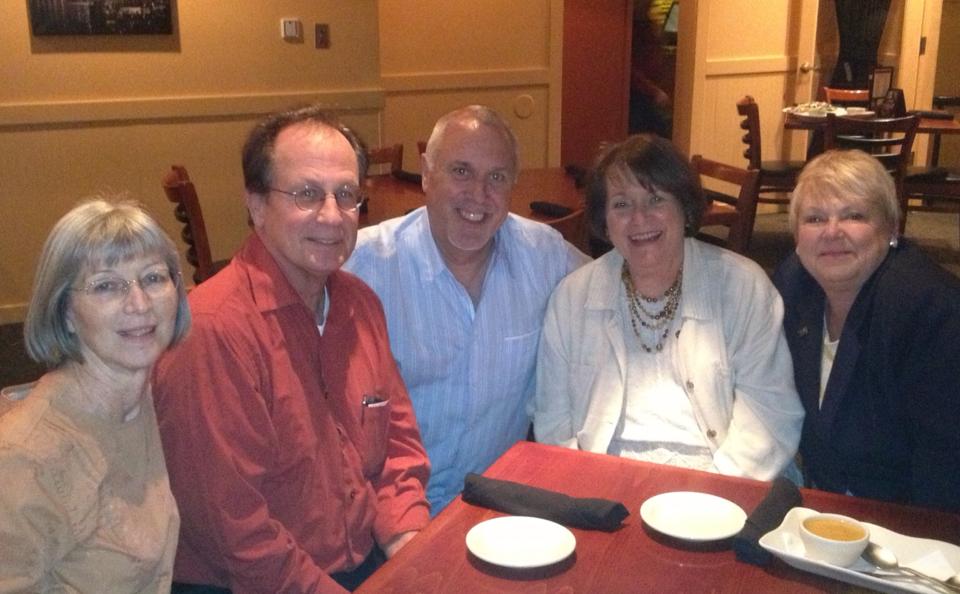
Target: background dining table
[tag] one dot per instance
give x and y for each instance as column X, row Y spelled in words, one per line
column 390, row 196
column 633, row 558
column 925, row 126
column 816, row 126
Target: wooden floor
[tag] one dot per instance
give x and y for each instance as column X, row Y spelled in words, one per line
column 937, row 233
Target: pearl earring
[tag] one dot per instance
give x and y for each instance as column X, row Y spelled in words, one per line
column 894, row 241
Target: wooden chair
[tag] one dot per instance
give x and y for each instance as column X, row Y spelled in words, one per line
column 846, row 97
column 941, row 102
column 573, row 227
column 736, row 213
column 391, row 155
column 889, row 140
column 776, row 178
column 180, row 191
column 936, row 187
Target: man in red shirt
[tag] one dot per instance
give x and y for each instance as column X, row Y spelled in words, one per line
column 290, row 440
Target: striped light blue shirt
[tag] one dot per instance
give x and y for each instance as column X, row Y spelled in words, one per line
column 469, row 370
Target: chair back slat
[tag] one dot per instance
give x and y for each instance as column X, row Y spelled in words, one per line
column 391, row 155
column 748, row 110
column 180, row 190
column 846, row 97
column 740, row 219
column 890, row 140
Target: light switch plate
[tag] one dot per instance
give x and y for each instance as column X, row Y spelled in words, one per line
column 291, row 29
column 322, row 31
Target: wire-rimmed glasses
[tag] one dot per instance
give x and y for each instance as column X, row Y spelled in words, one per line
column 111, row 289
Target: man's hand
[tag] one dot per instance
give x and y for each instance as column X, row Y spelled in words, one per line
column 396, row 543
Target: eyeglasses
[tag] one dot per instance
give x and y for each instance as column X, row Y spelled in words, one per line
column 348, row 197
column 111, row 289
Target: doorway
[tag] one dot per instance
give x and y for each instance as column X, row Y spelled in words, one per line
column 653, row 66
column 947, row 78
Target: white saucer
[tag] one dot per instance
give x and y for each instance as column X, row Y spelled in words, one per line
column 933, row 557
column 520, row 541
column 693, row 516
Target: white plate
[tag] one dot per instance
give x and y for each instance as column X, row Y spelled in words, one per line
column 690, row 515
column 520, row 541
column 839, row 111
column 933, row 557
column 854, row 112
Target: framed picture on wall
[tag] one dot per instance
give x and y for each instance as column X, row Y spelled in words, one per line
column 101, row 17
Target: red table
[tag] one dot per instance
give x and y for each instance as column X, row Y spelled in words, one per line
column 634, row 558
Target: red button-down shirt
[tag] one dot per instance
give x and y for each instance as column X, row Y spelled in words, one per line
column 282, row 474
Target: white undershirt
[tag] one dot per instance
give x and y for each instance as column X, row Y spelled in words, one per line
column 827, row 354
column 321, row 323
column 657, row 423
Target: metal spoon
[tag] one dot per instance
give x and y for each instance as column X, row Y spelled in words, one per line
column 885, row 559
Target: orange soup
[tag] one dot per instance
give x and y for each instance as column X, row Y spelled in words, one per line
column 833, row 529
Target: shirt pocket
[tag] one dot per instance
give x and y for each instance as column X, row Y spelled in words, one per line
column 518, row 356
column 375, row 434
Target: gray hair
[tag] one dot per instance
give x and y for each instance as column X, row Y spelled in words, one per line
column 104, row 230
column 482, row 115
column 838, row 174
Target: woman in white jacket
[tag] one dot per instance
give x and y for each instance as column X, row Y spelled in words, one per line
column 665, row 349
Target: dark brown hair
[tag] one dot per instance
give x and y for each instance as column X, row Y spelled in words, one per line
column 258, row 149
column 656, row 164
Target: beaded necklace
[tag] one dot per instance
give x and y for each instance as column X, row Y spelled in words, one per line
column 655, row 321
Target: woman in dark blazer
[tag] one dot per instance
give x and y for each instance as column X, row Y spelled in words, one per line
column 874, row 329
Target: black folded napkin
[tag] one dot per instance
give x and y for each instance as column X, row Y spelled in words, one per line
column 550, row 209
column 408, row 176
column 524, row 500
column 782, row 497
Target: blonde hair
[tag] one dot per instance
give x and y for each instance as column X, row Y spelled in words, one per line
column 837, row 174
column 104, row 230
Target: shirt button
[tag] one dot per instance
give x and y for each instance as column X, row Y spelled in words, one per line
column 689, row 385
column 711, row 433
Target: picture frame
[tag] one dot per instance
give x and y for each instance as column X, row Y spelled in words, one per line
column 880, row 82
column 101, row 17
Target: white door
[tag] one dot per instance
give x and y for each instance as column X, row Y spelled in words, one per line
column 731, row 48
column 917, row 67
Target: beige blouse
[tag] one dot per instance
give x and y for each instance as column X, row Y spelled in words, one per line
column 85, row 504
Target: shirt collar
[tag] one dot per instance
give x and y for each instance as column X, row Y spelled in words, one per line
column 270, row 288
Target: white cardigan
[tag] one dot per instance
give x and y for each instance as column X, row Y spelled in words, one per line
column 735, row 365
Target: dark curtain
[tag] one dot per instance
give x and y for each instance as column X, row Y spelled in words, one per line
column 860, row 24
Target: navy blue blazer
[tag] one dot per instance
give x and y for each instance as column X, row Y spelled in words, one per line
column 889, row 427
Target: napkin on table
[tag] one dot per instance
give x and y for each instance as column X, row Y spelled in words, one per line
column 524, row 500
column 782, row 497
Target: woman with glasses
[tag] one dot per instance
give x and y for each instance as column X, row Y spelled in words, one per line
column 666, row 349
column 86, row 504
